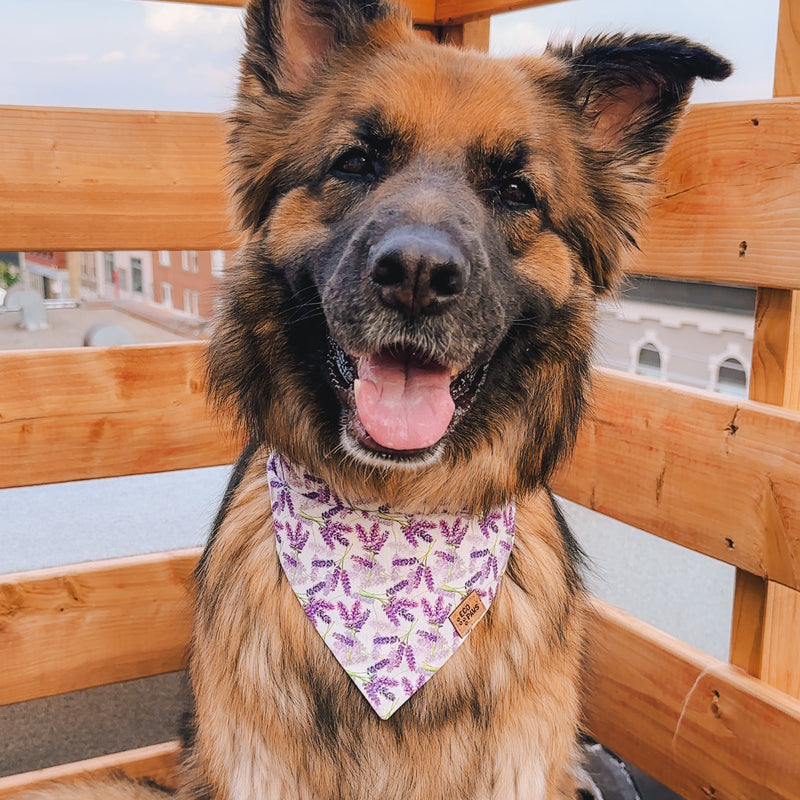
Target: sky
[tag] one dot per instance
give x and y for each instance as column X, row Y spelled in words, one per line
column 182, row 57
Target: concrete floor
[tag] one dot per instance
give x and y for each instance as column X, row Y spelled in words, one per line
column 66, row 328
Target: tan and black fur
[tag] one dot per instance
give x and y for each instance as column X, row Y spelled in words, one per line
column 534, row 172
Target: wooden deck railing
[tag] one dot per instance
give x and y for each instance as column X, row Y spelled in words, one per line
column 713, row 474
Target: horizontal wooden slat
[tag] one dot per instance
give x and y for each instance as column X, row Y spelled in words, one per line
column 716, row 474
column 693, row 722
column 728, row 208
column 449, row 12
column 69, row 628
column 87, row 413
column 654, row 455
column 113, row 180
column 702, row 727
column 158, row 762
column 421, row 10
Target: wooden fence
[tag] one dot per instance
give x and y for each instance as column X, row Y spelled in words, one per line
column 713, row 474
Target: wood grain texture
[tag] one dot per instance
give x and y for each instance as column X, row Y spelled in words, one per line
column 787, row 55
column 726, row 209
column 111, row 180
column 747, row 623
column 157, row 762
column 106, row 412
column 69, row 628
column 767, row 642
column 775, row 372
column 472, row 35
column 698, row 725
column 779, row 666
column 705, row 471
column 135, row 180
column 449, row 12
column 421, row 10
column 693, row 722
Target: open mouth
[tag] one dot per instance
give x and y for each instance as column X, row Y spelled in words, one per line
column 399, row 403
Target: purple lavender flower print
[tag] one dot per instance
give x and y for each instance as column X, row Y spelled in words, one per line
column 422, row 572
column 333, row 532
column 436, row 615
column 355, row 617
column 322, row 494
column 489, row 525
column 400, row 607
column 347, row 641
column 298, row 536
column 283, row 499
column 380, row 686
column 336, row 507
column 418, row 529
column 318, row 608
column 338, row 576
column 454, row 535
column 404, row 652
column 374, row 539
column 410, row 688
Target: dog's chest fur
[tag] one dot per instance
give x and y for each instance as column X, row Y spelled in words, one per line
column 284, row 720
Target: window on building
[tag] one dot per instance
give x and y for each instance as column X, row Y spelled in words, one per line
column 648, row 362
column 88, row 268
column 189, row 261
column 166, row 294
column 732, row 378
column 191, row 302
column 122, row 275
column 164, row 258
column 217, row 263
column 108, row 267
column 137, row 279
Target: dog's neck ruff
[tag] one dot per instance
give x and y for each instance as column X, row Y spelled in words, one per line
column 392, row 595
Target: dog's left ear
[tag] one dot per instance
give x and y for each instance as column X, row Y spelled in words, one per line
column 631, row 91
column 633, row 88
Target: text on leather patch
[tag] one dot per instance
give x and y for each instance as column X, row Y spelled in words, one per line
column 467, row 613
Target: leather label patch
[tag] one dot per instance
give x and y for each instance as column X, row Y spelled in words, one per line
column 467, row 613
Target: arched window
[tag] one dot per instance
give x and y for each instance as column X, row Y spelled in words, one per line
column 732, row 378
column 648, row 362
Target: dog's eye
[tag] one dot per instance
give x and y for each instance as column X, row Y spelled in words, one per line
column 516, row 194
column 355, row 163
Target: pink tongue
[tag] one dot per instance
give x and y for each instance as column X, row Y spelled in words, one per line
column 403, row 405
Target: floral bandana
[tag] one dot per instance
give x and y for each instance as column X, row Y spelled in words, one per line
column 392, row 595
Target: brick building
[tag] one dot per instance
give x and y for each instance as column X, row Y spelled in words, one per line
column 188, row 280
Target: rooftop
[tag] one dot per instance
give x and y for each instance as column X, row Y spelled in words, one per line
column 67, row 326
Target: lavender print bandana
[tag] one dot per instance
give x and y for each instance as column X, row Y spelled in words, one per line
column 381, row 588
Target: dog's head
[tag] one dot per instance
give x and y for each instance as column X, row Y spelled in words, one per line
column 426, row 231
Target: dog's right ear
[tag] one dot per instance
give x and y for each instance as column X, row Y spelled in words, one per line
column 288, row 39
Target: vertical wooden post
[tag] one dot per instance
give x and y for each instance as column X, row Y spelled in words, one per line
column 74, row 268
column 474, row 35
column 765, row 636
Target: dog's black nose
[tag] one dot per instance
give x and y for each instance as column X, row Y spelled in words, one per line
column 417, row 269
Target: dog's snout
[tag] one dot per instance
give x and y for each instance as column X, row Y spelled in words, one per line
column 418, row 270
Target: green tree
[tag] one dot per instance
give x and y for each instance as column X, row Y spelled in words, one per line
column 9, row 275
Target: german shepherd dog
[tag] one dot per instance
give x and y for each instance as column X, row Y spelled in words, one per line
column 408, row 329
